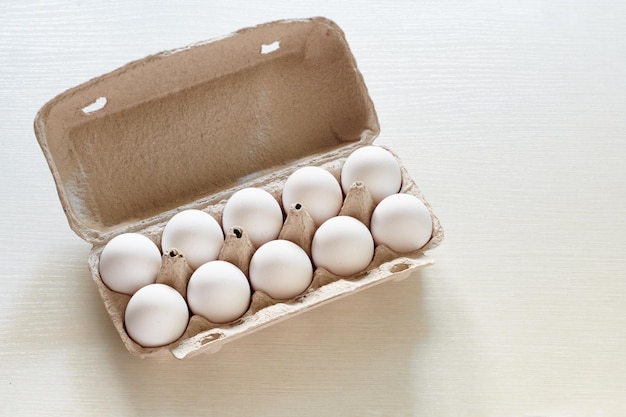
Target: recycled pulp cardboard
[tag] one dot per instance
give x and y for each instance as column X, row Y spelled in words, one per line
column 187, row 128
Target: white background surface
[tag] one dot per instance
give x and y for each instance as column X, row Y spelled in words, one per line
column 509, row 115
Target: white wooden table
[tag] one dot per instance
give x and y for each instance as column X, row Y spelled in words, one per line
column 509, row 115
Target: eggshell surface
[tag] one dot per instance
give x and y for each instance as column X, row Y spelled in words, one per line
column 257, row 212
column 219, row 292
column 281, row 269
column 128, row 262
column 402, row 222
column 156, row 315
column 195, row 234
column 317, row 190
column 376, row 167
column 342, row 245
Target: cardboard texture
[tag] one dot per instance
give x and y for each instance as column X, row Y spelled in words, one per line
column 187, row 128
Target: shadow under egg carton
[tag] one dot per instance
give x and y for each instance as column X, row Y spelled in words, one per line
column 203, row 336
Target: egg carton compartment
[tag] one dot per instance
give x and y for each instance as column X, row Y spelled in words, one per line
column 203, row 336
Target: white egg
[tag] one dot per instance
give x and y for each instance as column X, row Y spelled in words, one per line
column 317, row 190
column 257, row 212
column 376, row 167
column 219, row 292
column 281, row 269
column 196, row 234
column 402, row 222
column 342, row 245
column 128, row 262
column 156, row 315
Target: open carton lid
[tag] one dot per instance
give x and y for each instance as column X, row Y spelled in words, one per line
column 176, row 127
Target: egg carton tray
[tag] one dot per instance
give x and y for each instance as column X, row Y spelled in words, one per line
column 187, row 128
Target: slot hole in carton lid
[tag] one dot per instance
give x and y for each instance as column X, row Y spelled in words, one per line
column 270, row 47
column 399, row 267
column 98, row 104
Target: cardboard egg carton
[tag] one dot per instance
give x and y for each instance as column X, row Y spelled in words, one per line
column 187, row 128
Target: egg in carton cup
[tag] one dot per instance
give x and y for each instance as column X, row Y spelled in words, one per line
column 186, row 129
